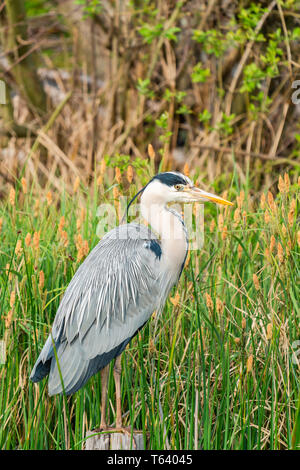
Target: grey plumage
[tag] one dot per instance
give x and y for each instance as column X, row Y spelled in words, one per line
column 111, row 296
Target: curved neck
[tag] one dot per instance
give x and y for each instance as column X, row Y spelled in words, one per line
column 168, row 224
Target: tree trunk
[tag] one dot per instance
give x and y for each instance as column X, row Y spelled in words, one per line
column 24, row 69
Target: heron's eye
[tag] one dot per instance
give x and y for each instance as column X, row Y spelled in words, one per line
column 179, row 187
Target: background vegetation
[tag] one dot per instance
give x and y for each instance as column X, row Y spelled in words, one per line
column 89, row 85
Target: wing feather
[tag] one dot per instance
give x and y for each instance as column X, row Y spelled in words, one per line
column 111, row 296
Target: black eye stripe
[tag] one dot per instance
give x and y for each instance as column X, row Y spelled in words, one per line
column 170, row 179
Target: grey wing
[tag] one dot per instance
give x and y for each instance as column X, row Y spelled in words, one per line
column 111, row 296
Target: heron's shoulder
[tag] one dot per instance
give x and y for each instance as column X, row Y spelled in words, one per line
column 131, row 231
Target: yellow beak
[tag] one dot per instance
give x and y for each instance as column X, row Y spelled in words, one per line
column 204, row 196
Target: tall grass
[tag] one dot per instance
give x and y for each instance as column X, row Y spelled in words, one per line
column 217, row 370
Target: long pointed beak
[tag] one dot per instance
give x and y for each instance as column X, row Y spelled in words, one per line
column 204, row 196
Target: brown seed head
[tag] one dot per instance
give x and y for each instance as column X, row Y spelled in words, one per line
column 209, row 302
column 287, row 182
column 284, row 230
column 272, row 243
column 237, row 216
column 118, row 175
column 281, row 185
column 220, row 222
column 18, row 249
column 12, row 196
column 49, row 198
column 61, row 224
column 267, row 216
column 8, row 319
column 85, row 247
column 12, row 299
column 115, row 193
column 280, row 253
column 240, row 199
column 129, row 174
column 269, row 331
column 24, row 185
column 151, row 152
column 291, row 213
column 255, row 281
column 224, row 232
column 240, row 251
column 175, row 300
column 186, row 169
column 219, row 305
column 250, row 363
column 64, row 238
column 76, row 184
column 28, row 239
column 41, row 280
column 36, row 207
column 36, row 240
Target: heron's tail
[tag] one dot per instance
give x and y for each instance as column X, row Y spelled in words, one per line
column 42, row 366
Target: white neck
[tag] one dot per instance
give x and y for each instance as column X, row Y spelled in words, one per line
column 168, row 226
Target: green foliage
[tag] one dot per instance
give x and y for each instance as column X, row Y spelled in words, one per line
column 37, row 7
column 205, row 116
column 225, row 127
column 212, row 41
column 249, row 17
column 90, row 7
column 143, row 88
column 152, row 31
column 252, row 79
column 200, row 74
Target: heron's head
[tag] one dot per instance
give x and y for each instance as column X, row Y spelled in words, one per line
column 176, row 187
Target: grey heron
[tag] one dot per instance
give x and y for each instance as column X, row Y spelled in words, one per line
column 124, row 279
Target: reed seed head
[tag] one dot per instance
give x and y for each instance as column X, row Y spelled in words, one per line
column 269, row 331
column 12, row 299
column 256, row 282
column 76, row 184
column 287, row 182
column 36, row 240
column 209, row 302
column 175, row 300
column 49, row 198
column 41, row 280
column 118, row 175
column 281, row 185
column 12, row 196
column 28, row 239
column 186, row 169
column 129, row 174
column 18, row 248
column 151, row 152
column 24, row 185
column 250, row 363
column 280, row 253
